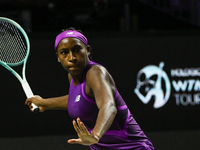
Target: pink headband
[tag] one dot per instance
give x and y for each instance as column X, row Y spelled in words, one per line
column 70, row 33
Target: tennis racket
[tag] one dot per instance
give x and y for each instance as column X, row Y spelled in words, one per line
column 14, row 51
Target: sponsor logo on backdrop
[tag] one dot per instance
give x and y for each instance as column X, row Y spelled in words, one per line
column 150, row 81
column 153, row 83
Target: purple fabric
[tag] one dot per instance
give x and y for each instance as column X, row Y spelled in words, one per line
column 70, row 33
column 124, row 133
column 123, row 146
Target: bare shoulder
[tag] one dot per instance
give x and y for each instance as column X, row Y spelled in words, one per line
column 98, row 73
column 98, row 78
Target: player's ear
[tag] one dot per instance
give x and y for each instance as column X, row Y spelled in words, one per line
column 88, row 50
column 57, row 57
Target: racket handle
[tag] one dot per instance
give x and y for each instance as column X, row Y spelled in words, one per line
column 29, row 94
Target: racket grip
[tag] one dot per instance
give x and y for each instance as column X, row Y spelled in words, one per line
column 29, row 94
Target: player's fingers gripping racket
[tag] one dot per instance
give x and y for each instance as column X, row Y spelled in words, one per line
column 14, row 51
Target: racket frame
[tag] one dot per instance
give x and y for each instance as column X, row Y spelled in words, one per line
column 22, row 79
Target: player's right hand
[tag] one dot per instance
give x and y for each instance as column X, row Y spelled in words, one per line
column 37, row 100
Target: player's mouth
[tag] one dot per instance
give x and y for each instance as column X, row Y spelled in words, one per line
column 72, row 68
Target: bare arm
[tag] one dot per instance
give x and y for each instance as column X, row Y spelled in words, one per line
column 49, row 103
column 102, row 85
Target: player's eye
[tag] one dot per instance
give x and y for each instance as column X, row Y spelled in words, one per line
column 64, row 52
column 77, row 48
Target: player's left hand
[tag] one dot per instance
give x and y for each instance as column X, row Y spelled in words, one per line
column 85, row 138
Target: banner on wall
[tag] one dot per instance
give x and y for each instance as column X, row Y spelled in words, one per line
column 181, row 85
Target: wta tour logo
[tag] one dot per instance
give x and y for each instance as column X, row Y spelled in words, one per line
column 153, row 84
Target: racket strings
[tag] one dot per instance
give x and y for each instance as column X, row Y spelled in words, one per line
column 12, row 44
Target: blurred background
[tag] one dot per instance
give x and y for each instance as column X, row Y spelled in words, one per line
column 127, row 37
column 103, row 15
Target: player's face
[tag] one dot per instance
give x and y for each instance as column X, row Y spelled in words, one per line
column 73, row 55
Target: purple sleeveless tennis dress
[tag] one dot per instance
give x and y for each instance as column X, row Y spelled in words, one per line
column 124, row 133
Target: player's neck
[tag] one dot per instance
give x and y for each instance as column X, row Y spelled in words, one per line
column 77, row 79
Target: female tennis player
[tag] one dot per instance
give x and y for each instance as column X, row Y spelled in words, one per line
column 102, row 119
